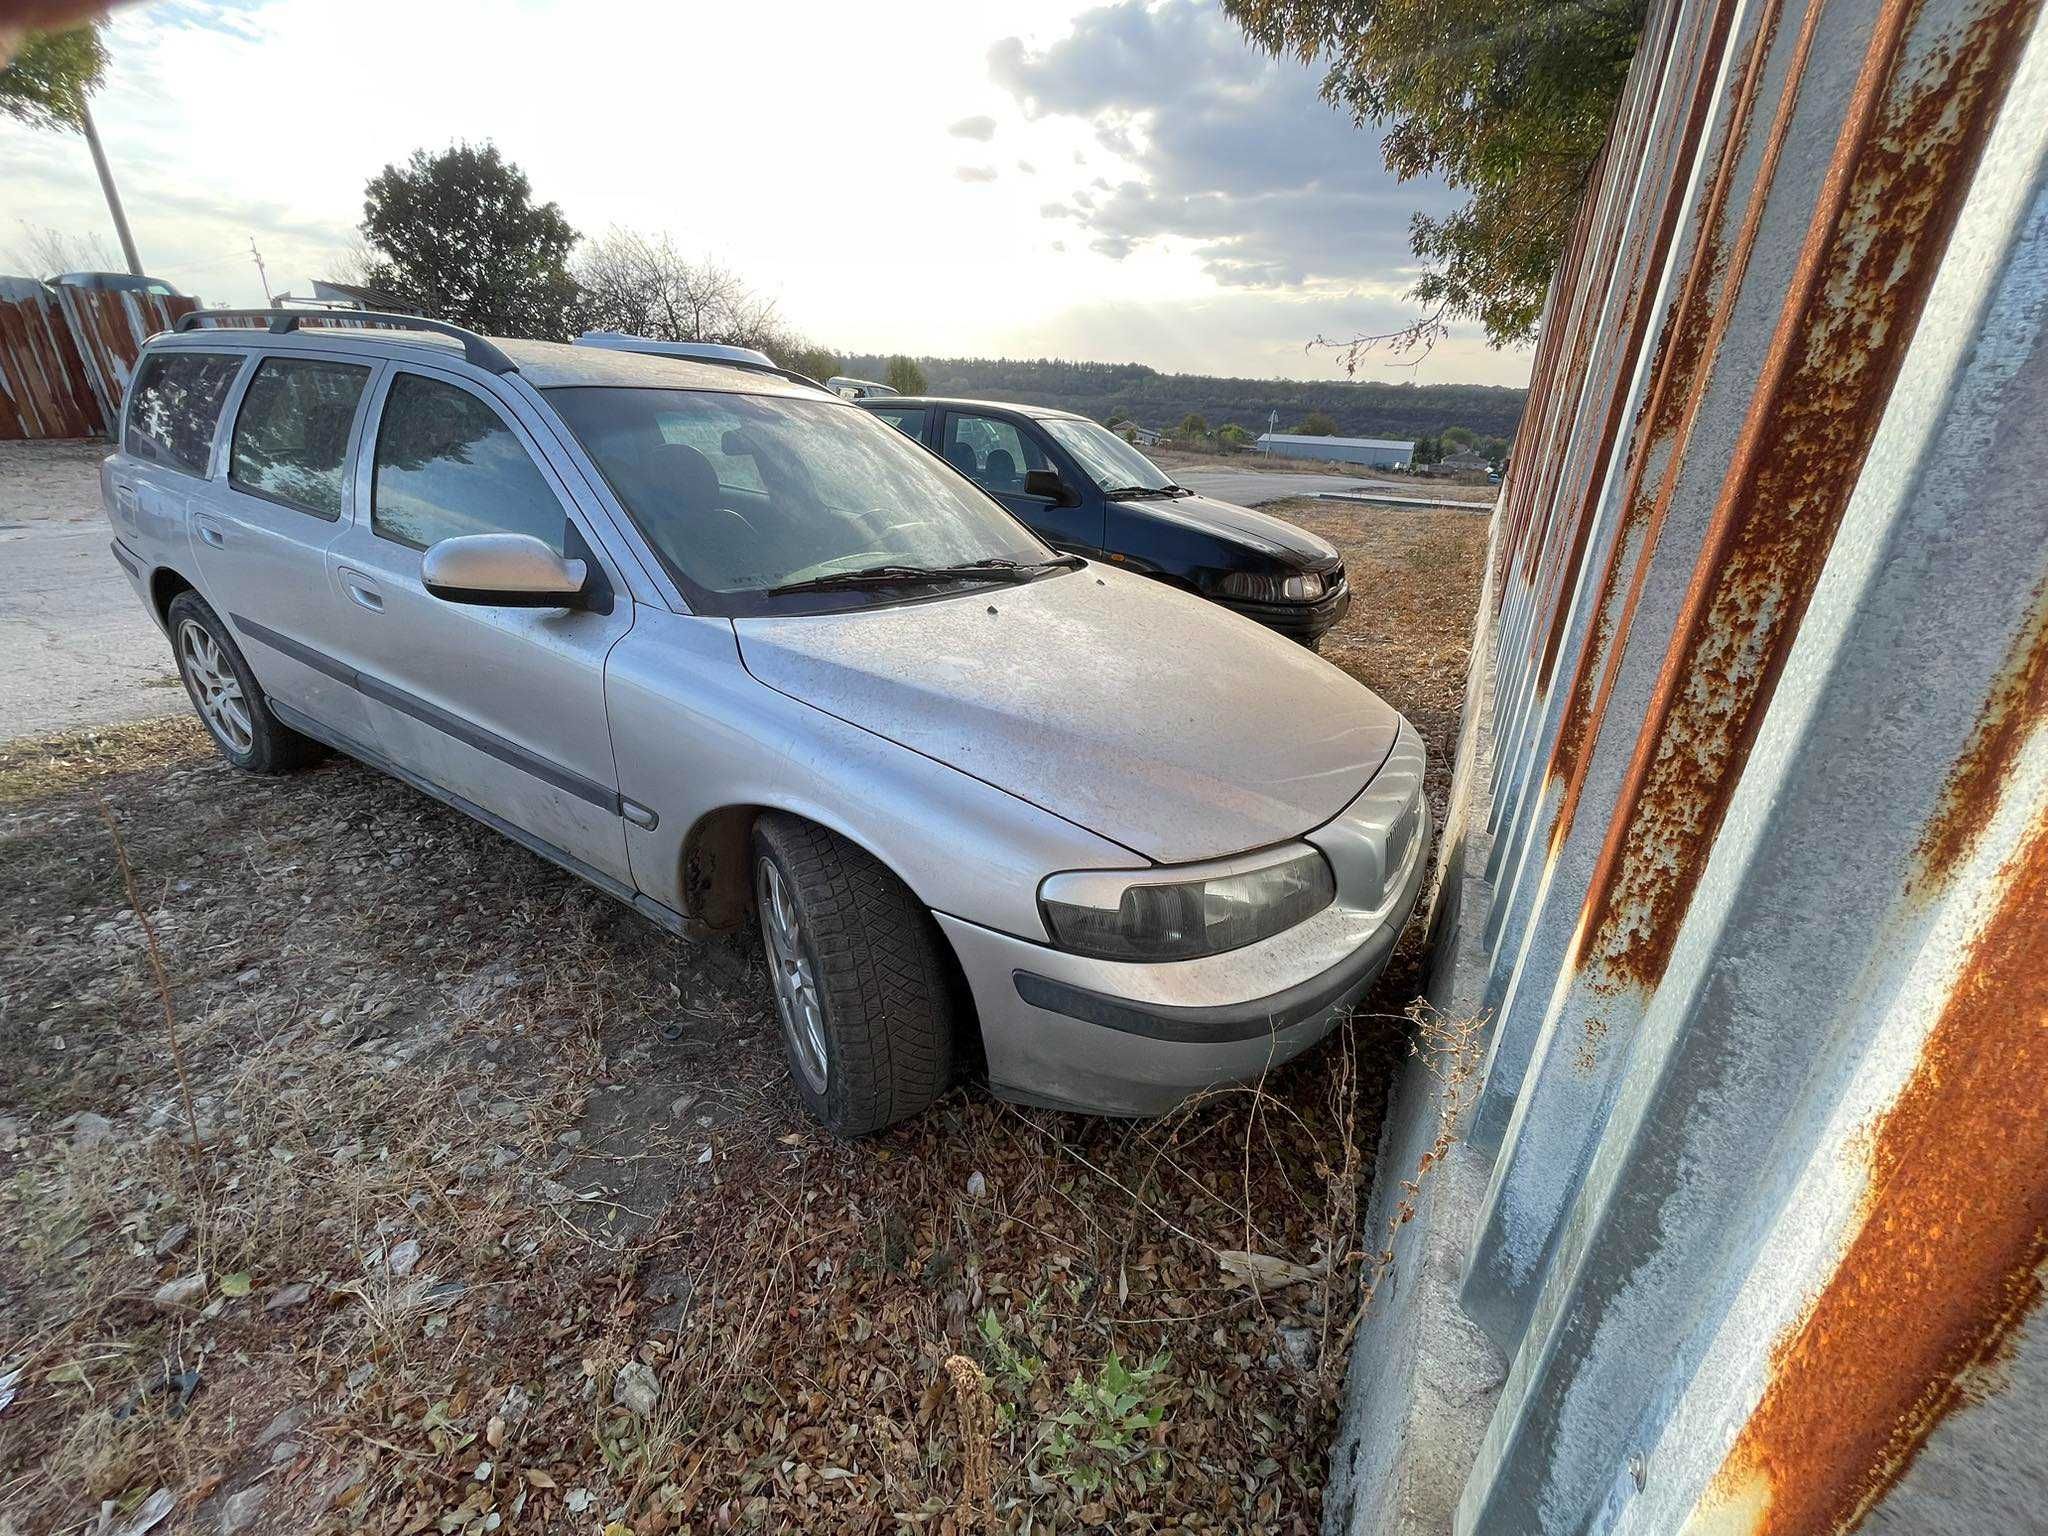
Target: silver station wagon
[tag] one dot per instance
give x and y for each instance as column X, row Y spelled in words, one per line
column 729, row 647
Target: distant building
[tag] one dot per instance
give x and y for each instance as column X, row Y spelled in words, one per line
column 1144, row 437
column 1373, row 452
column 361, row 297
column 1467, row 461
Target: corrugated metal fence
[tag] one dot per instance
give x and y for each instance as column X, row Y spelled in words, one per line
column 1760, row 796
column 65, row 354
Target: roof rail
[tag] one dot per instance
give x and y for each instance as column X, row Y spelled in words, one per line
column 475, row 348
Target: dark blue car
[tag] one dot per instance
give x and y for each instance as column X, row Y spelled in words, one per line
column 1082, row 488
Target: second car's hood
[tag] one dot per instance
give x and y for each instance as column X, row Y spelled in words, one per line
column 1260, row 530
column 1144, row 714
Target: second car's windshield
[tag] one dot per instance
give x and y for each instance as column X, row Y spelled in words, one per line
column 1112, row 463
column 743, row 493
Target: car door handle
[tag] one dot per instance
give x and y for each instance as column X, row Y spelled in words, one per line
column 361, row 589
column 211, row 532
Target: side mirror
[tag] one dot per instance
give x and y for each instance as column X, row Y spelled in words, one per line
column 503, row 570
column 1047, row 483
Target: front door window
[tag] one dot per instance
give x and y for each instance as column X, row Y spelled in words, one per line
column 992, row 452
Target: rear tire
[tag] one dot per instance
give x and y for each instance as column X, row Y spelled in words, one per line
column 229, row 701
column 862, row 991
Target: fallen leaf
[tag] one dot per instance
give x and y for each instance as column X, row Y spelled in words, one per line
column 1262, row 1271
column 234, row 1285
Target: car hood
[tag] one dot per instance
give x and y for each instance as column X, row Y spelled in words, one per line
column 1142, row 713
column 1260, row 530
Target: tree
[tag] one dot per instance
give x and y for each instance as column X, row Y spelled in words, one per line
column 45, row 253
column 806, row 358
column 1316, row 424
column 458, row 236
column 1192, row 428
column 644, row 287
column 45, row 82
column 1513, row 107
column 1231, row 435
column 1495, row 449
column 1459, row 439
column 904, row 376
column 1427, row 451
column 51, row 76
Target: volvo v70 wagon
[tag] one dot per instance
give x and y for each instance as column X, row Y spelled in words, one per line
column 730, row 648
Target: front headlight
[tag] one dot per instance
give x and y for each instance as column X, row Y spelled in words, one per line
column 1182, row 914
column 1306, row 587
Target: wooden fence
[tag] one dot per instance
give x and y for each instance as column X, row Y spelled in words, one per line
column 66, row 353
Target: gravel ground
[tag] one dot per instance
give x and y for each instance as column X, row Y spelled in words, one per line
column 468, row 1200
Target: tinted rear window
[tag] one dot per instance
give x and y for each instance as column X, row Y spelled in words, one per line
column 291, row 434
column 174, row 405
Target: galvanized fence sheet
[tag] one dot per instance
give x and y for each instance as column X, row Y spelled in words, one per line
column 1766, row 812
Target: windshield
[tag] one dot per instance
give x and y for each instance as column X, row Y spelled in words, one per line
column 1112, row 463
column 743, row 493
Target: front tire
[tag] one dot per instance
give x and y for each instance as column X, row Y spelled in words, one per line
column 861, row 987
column 225, row 694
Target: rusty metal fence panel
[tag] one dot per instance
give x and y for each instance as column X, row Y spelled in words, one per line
column 44, row 390
column 1761, row 799
column 110, row 329
column 66, row 353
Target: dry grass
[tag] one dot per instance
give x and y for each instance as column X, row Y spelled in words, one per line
column 571, row 1254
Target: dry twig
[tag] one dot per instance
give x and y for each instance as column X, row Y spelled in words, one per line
column 156, row 965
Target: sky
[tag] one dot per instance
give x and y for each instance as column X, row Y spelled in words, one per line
column 1126, row 182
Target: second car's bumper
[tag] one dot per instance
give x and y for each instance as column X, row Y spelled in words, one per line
column 1306, row 622
column 1132, row 1039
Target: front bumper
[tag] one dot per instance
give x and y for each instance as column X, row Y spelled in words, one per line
column 1306, row 622
column 1112, row 1037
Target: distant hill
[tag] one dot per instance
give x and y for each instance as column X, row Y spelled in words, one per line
column 1160, row 400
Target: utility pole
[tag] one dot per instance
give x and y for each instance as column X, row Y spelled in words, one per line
column 99, row 160
column 269, row 302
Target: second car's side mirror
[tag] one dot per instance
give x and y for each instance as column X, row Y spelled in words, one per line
column 1047, row 483
column 503, row 570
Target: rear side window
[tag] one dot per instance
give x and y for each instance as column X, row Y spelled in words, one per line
column 291, row 435
column 909, row 420
column 448, row 465
column 174, row 405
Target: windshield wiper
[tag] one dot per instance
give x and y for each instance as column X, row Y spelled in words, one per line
column 925, row 575
column 1148, row 490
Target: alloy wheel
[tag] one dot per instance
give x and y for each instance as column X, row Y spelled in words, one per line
column 796, row 986
column 214, row 687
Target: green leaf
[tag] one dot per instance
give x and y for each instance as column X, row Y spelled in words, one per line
column 234, row 1285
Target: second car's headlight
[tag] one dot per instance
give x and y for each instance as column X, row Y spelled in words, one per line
column 1182, row 914
column 1305, row 587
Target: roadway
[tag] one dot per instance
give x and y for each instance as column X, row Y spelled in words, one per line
column 77, row 648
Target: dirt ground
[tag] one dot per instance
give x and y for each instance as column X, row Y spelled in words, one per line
column 469, row 1201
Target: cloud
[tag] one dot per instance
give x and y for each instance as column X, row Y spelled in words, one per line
column 981, row 128
column 1027, row 167
column 975, row 172
column 1270, row 186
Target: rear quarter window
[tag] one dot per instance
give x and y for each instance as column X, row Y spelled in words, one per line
column 174, row 407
